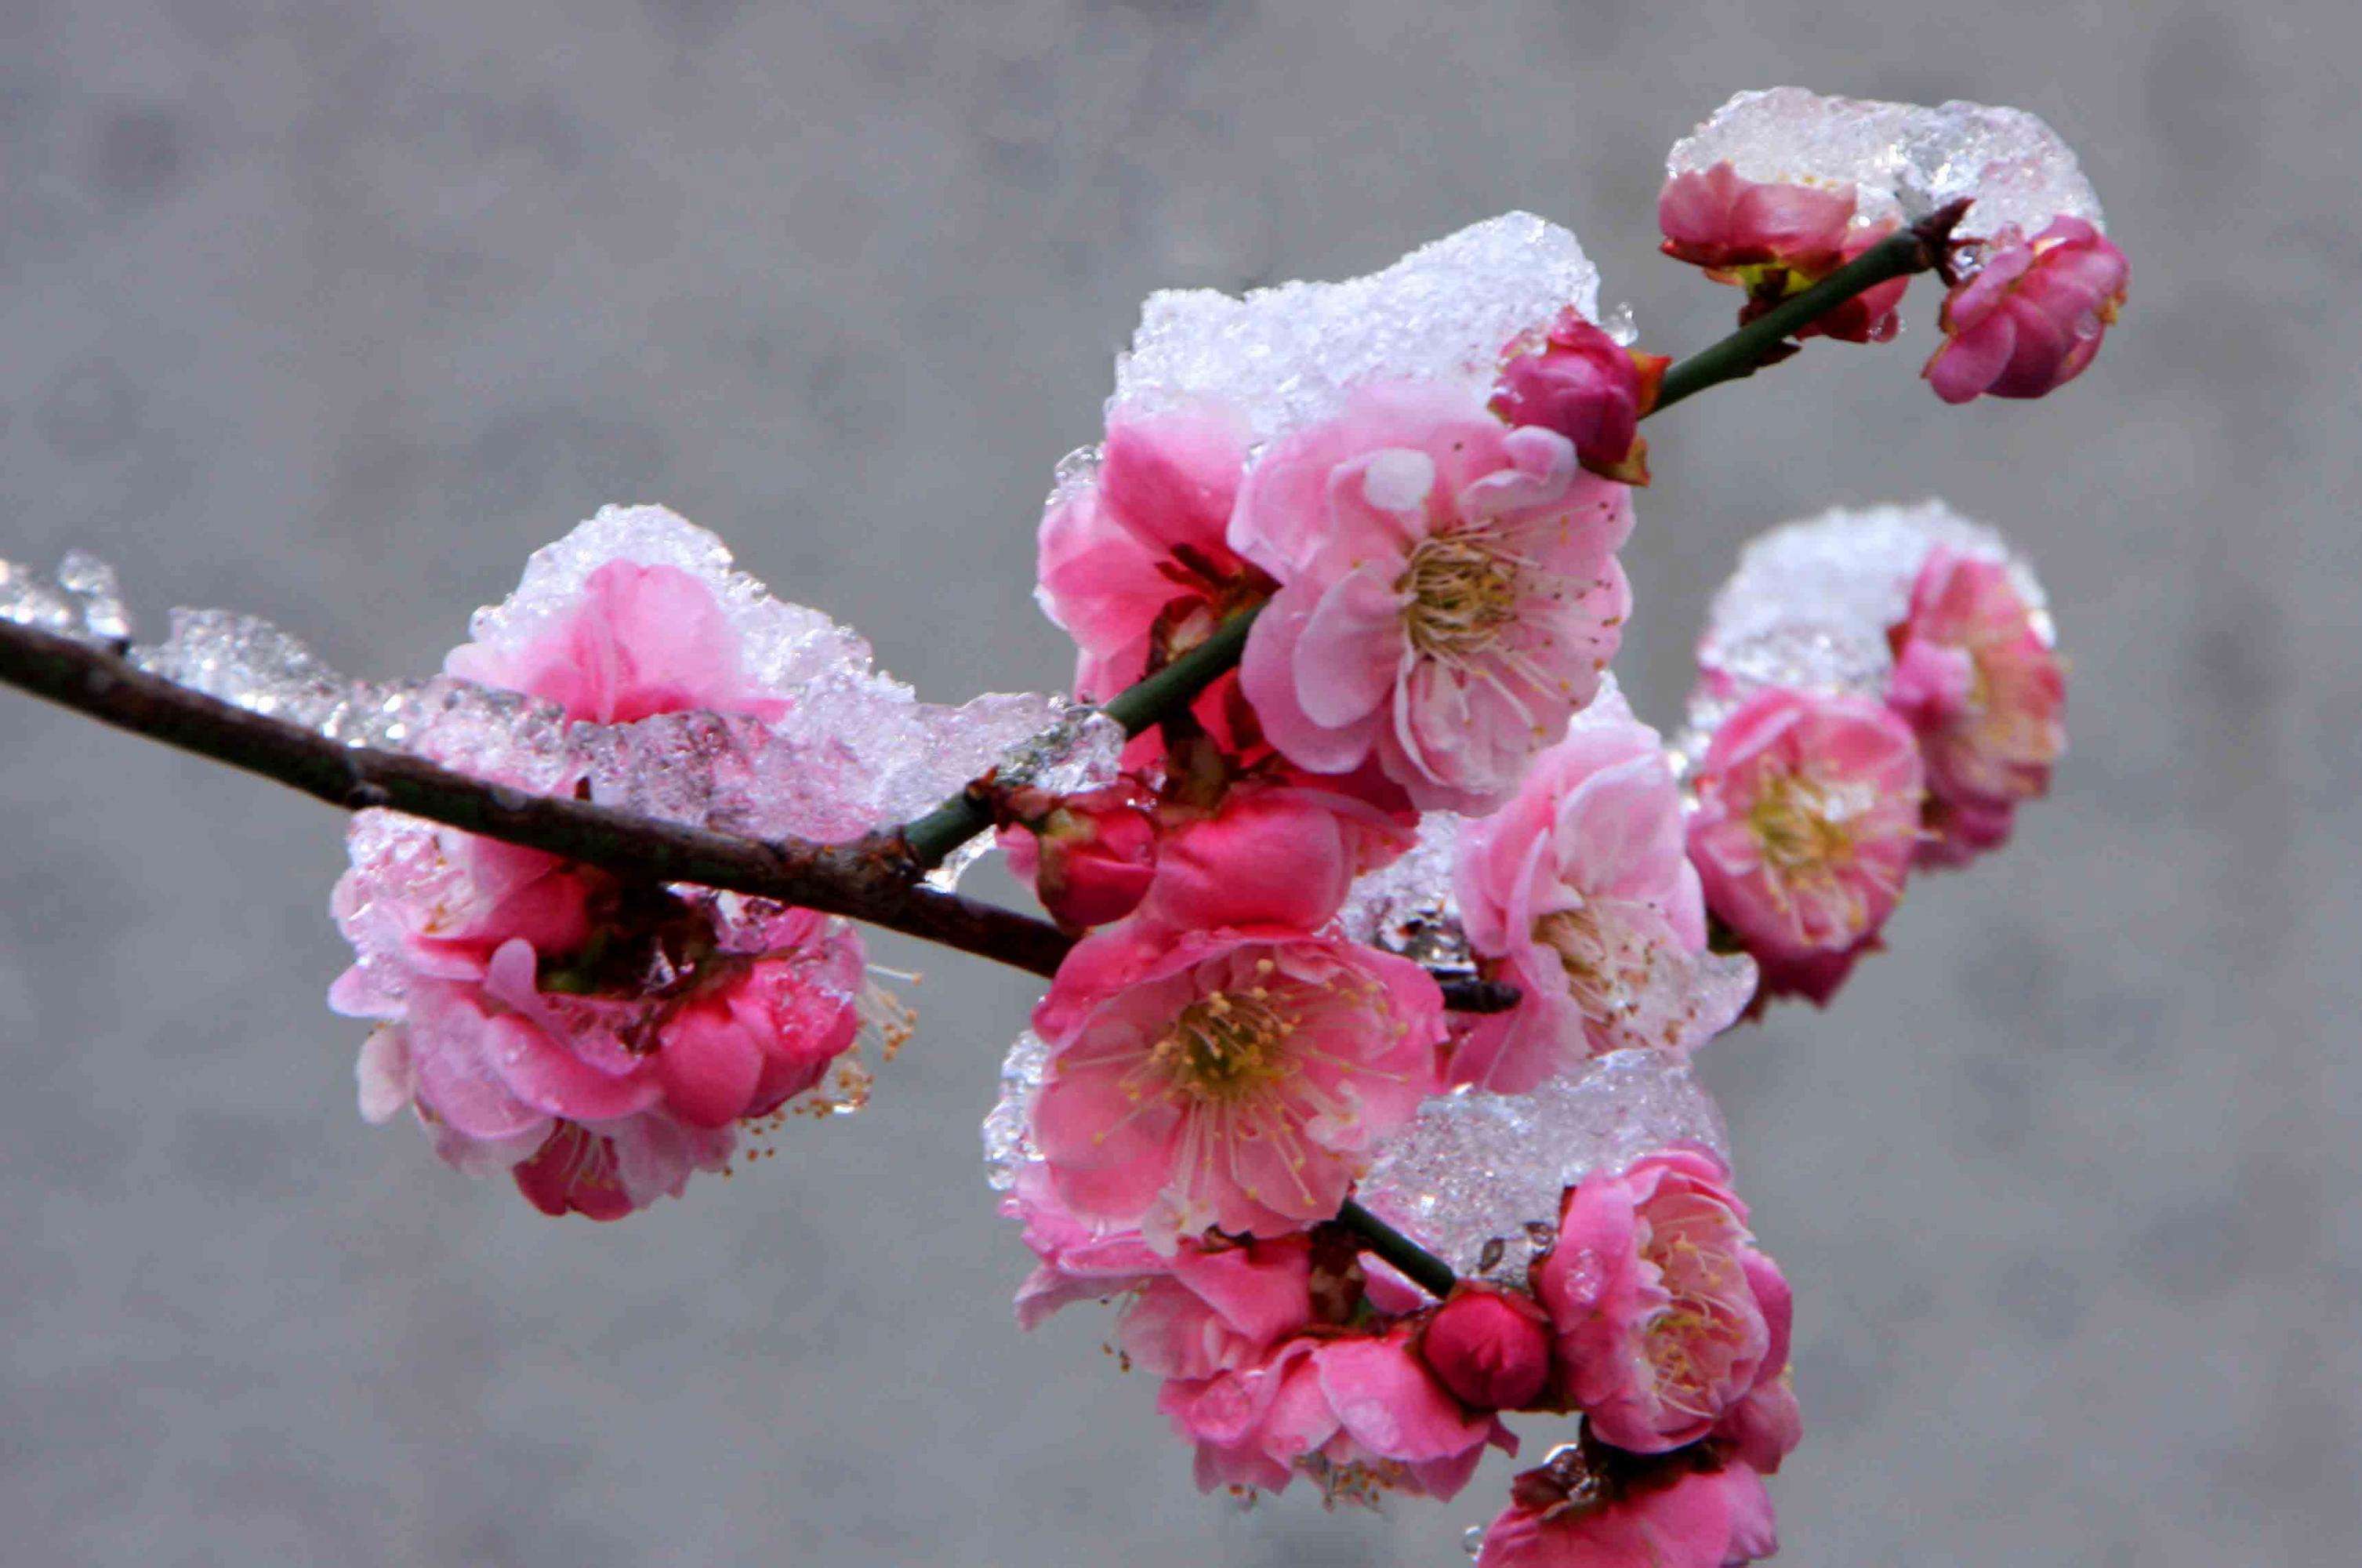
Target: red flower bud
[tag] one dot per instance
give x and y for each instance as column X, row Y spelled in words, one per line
column 1581, row 382
column 2033, row 317
column 1090, row 858
column 1491, row 1347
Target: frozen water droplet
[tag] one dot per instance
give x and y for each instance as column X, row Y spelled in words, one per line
column 29, row 600
column 1472, row 1540
column 1619, row 323
column 1008, row 1136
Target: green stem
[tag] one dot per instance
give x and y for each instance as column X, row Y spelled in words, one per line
column 933, row 837
column 1900, row 254
column 1430, row 1273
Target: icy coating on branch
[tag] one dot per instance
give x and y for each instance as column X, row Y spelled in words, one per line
column 1284, row 357
column 854, row 751
column 1905, row 160
column 1477, row 1168
column 1407, row 907
column 79, row 600
column 1810, row 604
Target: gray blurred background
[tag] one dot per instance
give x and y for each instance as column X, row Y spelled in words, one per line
column 332, row 312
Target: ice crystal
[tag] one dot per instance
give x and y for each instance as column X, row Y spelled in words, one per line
column 79, row 600
column 1477, row 1168
column 1407, row 907
column 1009, row 1128
column 1903, row 160
column 1286, row 356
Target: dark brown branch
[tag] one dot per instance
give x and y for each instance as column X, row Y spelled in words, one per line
column 1464, row 995
column 1430, row 1273
column 869, row 880
column 860, row 881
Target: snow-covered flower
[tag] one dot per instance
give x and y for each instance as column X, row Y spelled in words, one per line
column 1450, row 593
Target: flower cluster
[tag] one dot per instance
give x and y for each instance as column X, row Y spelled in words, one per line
column 2028, row 303
column 1422, row 760
column 598, row 1039
column 1820, row 786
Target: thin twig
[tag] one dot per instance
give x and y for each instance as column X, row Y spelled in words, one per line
column 927, row 840
column 1920, row 248
column 1430, row 1273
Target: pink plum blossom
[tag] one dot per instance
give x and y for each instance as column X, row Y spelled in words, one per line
column 1580, row 893
column 1676, row 1514
column 1449, row 595
column 1984, row 692
column 1219, row 1308
column 644, row 640
column 1271, row 852
column 1360, row 1414
column 2033, row 315
column 1491, row 1347
column 1807, row 819
column 1574, row 379
column 1713, row 219
column 1135, row 564
column 1077, row 1259
column 607, row 1174
column 1667, row 1316
column 1237, row 1078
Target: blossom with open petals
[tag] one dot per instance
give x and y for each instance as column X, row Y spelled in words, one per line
column 598, row 1041
column 641, row 640
column 1226, row 1078
column 1219, row 1308
column 1135, row 563
column 1450, row 593
column 1579, row 892
column 1713, row 218
column 1807, row 819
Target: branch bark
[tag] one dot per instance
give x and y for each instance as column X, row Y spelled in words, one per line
column 864, row 880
